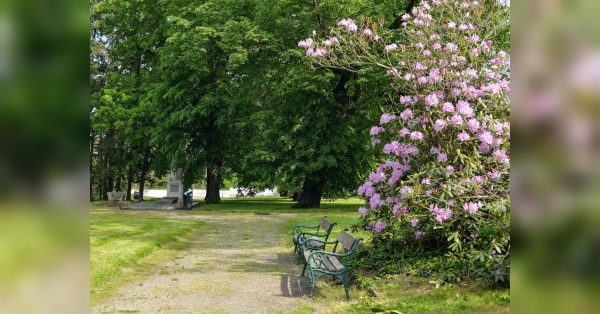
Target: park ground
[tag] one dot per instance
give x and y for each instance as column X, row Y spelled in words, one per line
column 234, row 258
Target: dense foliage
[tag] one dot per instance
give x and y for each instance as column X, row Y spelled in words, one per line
column 439, row 200
column 221, row 90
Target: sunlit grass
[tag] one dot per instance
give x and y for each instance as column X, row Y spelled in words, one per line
column 124, row 244
column 407, row 295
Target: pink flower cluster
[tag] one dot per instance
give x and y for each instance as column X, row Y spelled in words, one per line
column 319, row 52
column 471, row 208
column 419, row 234
column 349, row 24
column 399, row 212
column 400, row 149
column 379, row 226
column 376, row 130
column 362, row 211
column 391, row 47
column 385, row 118
column 307, row 43
column 440, row 214
column 331, row 41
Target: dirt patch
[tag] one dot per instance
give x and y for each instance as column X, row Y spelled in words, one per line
column 238, row 264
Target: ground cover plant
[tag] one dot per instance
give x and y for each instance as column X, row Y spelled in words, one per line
column 124, row 244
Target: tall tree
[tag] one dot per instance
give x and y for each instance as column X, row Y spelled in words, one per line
column 310, row 124
column 134, row 32
column 194, row 123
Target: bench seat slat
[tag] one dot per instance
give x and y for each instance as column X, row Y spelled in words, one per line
column 327, row 264
column 332, row 263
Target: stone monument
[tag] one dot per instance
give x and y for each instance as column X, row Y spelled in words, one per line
column 115, row 196
column 175, row 185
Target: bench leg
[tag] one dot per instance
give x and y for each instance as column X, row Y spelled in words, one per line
column 345, row 282
column 304, row 269
column 311, row 278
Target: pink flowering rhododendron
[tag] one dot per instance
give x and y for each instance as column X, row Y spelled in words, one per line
column 379, row 226
column 362, row 211
column 445, row 139
column 414, row 222
column 385, row 118
column 376, row 130
column 419, row 234
column 391, row 47
column 471, row 208
column 463, row 136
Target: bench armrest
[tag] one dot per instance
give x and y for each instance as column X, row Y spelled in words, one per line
column 330, row 253
column 316, row 244
column 298, row 229
column 305, row 235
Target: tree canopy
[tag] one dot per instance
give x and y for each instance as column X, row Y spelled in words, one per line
column 221, row 88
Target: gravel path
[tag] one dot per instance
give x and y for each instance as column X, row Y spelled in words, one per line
column 236, row 265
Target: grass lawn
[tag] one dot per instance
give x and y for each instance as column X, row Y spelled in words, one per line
column 399, row 294
column 125, row 244
column 396, row 293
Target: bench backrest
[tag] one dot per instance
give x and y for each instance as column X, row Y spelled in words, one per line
column 326, row 226
column 346, row 240
column 348, row 244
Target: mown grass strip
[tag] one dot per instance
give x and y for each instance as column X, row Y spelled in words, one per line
column 398, row 294
column 124, row 244
column 276, row 204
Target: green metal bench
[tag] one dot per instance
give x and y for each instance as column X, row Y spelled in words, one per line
column 321, row 263
column 303, row 233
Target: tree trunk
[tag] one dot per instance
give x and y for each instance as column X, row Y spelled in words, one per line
column 110, row 184
column 143, row 172
column 101, row 175
column 311, row 194
column 296, row 196
column 142, row 182
column 212, row 183
column 129, row 182
column 120, row 181
column 101, row 191
column 92, row 139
